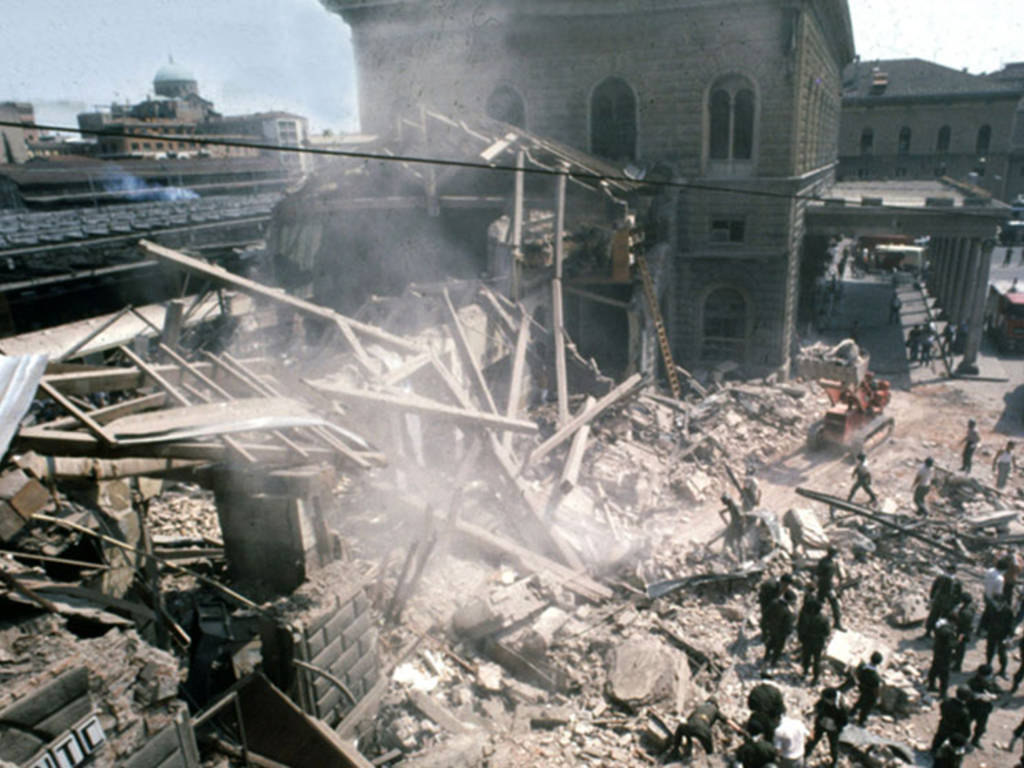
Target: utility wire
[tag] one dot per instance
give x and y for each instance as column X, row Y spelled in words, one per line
column 439, row 161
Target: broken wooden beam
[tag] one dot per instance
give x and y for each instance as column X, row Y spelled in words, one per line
column 515, row 385
column 568, row 429
column 77, row 412
column 558, row 319
column 407, row 403
column 462, row 344
column 573, row 462
column 92, row 380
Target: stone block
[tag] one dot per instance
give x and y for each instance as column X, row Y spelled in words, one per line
column 848, row 649
column 909, row 611
column 644, row 671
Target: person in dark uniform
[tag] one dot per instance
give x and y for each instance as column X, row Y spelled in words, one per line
column 780, row 621
column 697, row 726
column 963, row 620
column 943, row 597
column 951, row 752
column 1018, row 732
column 942, row 656
column 732, row 516
column 756, row 751
column 827, row 577
column 830, row 717
column 1019, row 674
column 970, row 443
column 862, row 479
column 812, row 629
column 869, row 684
column 766, row 707
column 984, row 690
column 1000, row 629
column 953, row 718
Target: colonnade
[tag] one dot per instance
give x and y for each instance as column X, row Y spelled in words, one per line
column 959, row 280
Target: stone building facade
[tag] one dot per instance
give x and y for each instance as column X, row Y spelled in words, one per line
column 739, row 102
column 914, row 119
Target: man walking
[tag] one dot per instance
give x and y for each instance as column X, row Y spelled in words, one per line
column 922, row 484
column 970, row 444
column 984, row 690
column 830, row 717
column 953, row 718
column 862, row 479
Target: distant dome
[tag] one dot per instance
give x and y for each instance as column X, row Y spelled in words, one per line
column 173, row 73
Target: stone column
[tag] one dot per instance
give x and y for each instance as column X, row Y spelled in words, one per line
column 968, row 265
column 949, row 272
column 938, row 264
column 969, row 364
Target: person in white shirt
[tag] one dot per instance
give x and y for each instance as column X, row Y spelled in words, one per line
column 922, row 484
column 994, row 584
column 1003, row 464
column 791, row 739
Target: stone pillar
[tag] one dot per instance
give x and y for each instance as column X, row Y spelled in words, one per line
column 967, row 266
column 935, row 269
column 949, row 272
column 976, row 312
column 940, row 270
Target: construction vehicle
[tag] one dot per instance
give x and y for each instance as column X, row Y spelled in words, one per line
column 1004, row 316
column 856, row 416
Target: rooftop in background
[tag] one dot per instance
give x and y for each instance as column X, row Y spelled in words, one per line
column 891, row 79
column 909, row 194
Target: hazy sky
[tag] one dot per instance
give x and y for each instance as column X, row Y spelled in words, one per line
column 292, row 54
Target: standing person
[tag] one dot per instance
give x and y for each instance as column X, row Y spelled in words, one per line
column 790, row 739
column 953, row 718
column 869, row 684
column 914, row 342
column 751, row 492
column 963, row 619
column 994, row 589
column 780, row 625
column 927, row 339
column 766, row 707
column 812, row 630
column 894, row 308
column 942, row 656
column 1017, row 733
column 951, row 752
column 984, row 690
column 943, row 597
column 970, row 444
column 862, row 479
column 1019, row 674
column 697, row 727
column 922, row 484
column 947, row 342
column 1003, row 464
column 1000, row 629
column 756, row 751
column 827, row 575
column 732, row 516
column 830, row 717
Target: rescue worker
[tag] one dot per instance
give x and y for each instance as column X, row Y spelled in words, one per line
column 732, row 516
column 780, row 622
column 756, row 751
column 953, row 718
column 943, row 597
column 751, row 492
column 766, row 593
column 914, row 342
column 869, row 684
column 1000, row 629
column 862, row 479
column 830, row 717
column 812, row 629
column 697, row 726
column 827, row 574
column 942, row 655
column 970, row 444
column 922, row 484
column 963, row 620
column 984, row 690
column 951, row 752
column 994, row 589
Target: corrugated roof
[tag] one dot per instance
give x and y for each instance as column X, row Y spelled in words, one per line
column 914, row 78
column 19, row 378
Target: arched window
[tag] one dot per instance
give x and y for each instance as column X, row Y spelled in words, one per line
column 731, row 119
column 613, row 120
column 942, row 143
column 724, row 325
column 903, row 148
column 507, row 105
column 984, row 139
column 867, row 141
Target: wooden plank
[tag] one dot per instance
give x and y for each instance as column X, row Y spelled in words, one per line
column 438, row 712
column 573, row 462
column 77, row 412
column 569, row 429
column 92, row 380
column 410, row 367
column 108, row 413
column 558, row 315
column 462, row 343
column 253, row 288
column 405, row 403
column 515, row 386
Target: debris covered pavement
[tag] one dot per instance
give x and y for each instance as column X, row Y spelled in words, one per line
column 319, row 540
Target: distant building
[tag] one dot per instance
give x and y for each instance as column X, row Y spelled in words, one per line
column 914, row 119
column 14, row 141
column 282, row 129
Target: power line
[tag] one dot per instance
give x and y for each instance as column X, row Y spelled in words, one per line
column 469, row 164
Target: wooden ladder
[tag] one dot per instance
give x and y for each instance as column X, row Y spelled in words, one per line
column 659, row 325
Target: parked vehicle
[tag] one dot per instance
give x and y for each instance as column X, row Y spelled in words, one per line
column 1004, row 316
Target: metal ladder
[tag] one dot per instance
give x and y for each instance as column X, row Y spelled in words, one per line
column 659, row 324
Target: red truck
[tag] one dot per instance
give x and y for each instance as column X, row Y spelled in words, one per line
column 1004, row 316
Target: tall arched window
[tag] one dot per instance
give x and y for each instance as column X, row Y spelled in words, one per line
column 903, row 148
column 731, row 112
column 725, row 324
column 867, row 141
column 984, row 139
column 613, row 120
column 507, row 105
column 942, row 143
